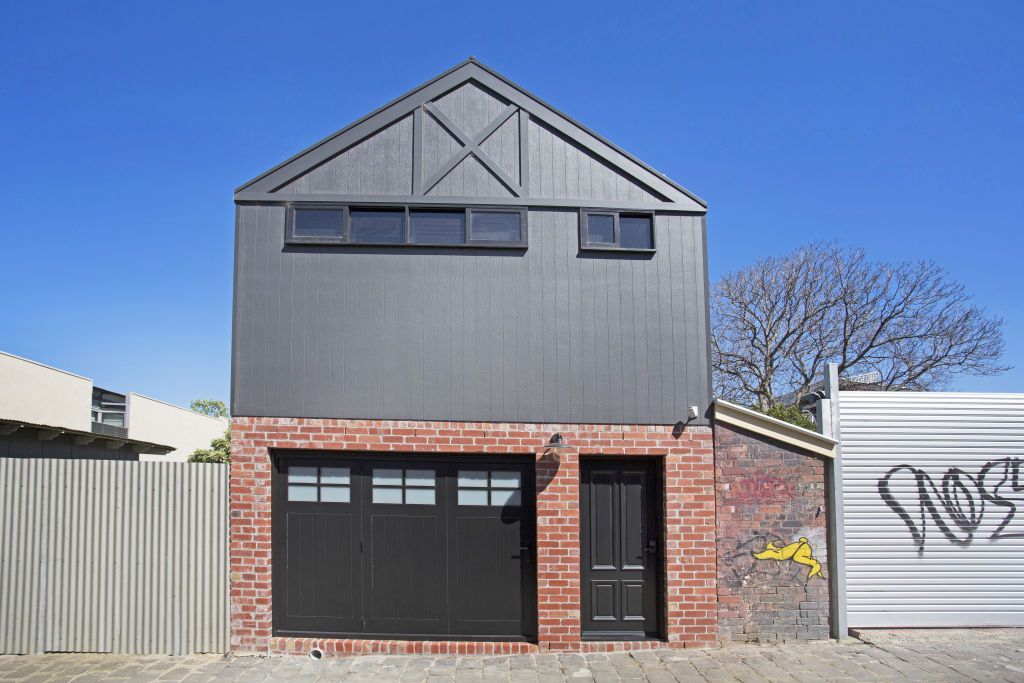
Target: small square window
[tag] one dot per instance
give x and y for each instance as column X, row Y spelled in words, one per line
column 301, row 475
column 302, row 493
column 479, row 487
column 308, row 484
column 387, row 477
column 418, row 496
column 318, row 223
column 335, row 475
column 505, row 497
column 472, row 496
column 411, row 487
column 505, row 480
column 472, row 479
column 616, row 231
column 335, row 494
column 387, row 495
column 419, row 477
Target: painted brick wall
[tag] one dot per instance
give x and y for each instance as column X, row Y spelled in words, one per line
column 689, row 512
column 768, row 491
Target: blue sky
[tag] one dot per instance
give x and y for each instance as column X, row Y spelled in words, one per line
column 125, row 127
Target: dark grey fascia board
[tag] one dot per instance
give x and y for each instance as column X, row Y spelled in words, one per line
column 277, row 198
column 472, row 70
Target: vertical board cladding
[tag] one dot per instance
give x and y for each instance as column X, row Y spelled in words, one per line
column 121, row 557
column 771, row 523
column 932, row 494
column 562, row 169
column 381, row 164
column 689, row 514
column 546, row 334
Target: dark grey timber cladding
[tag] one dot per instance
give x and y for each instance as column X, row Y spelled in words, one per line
column 547, row 334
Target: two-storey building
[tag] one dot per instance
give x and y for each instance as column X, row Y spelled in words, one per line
column 470, row 388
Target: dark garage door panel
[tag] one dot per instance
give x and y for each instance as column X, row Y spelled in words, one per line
column 406, row 575
column 319, row 560
column 489, row 595
column 443, row 570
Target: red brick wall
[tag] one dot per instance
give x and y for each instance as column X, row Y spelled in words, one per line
column 768, row 491
column 689, row 513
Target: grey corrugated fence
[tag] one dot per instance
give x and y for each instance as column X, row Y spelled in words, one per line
column 107, row 556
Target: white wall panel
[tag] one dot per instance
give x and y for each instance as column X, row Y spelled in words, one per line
column 107, row 556
column 951, row 464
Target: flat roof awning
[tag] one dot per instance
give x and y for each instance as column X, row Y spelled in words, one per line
column 49, row 432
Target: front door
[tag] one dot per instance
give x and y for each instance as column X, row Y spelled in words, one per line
column 620, row 505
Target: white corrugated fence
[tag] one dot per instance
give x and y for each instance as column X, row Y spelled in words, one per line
column 113, row 556
column 933, row 499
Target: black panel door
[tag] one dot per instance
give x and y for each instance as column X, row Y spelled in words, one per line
column 620, row 506
column 491, row 539
column 422, row 547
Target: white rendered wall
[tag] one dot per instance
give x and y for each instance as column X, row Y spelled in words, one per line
column 158, row 422
column 43, row 395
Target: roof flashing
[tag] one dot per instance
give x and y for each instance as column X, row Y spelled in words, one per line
column 761, row 424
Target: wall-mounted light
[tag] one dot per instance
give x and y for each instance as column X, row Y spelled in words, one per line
column 556, row 445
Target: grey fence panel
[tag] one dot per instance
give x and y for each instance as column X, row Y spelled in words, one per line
column 108, row 556
column 933, row 498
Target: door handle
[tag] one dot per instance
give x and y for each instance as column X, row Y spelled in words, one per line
column 523, row 549
column 652, row 546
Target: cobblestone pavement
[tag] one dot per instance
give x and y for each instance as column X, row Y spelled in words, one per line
column 908, row 655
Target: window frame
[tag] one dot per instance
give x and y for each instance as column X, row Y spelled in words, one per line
column 404, row 486
column 292, row 238
column 318, row 486
column 345, row 239
column 616, row 214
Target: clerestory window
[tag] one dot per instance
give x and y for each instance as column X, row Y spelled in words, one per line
column 407, row 225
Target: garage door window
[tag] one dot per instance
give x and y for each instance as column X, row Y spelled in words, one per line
column 480, row 487
column 319, row 484
column 404, row 486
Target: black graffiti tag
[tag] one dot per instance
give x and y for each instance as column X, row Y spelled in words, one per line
column 959, row 506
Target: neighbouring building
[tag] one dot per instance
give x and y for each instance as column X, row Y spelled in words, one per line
column 471, row 390
column 50, row 413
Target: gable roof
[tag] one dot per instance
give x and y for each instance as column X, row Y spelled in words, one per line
column 649, row 187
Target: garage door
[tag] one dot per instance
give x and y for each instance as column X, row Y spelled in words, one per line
column 933, row 494
column 414, row 547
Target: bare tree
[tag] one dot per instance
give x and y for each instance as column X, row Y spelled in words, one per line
column 775, row 324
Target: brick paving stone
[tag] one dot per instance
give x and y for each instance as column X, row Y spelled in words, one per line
column 897, row 656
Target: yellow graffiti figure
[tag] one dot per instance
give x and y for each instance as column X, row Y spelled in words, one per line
column 799, row 552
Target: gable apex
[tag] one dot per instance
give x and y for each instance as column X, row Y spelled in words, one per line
column 469, row 134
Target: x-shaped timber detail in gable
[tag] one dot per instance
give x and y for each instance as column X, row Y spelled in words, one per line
column 471, row 146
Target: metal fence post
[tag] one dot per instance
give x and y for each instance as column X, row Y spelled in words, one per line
column 828, row 425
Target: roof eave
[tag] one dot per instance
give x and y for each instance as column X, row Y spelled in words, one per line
column 761, row 424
